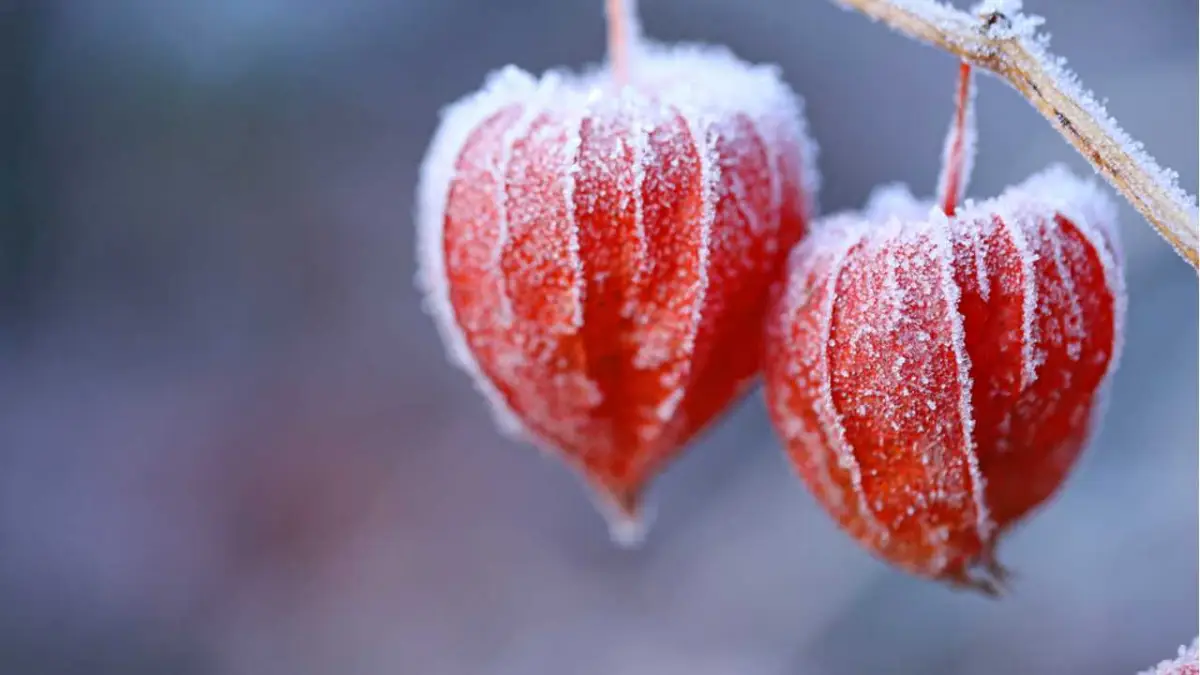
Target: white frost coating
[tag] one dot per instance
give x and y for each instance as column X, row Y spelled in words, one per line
column 1056, row 68
column 641, row 155
column 1023, row 29
column 775, row 160
column 1083, row 202
column 570, row 177
column 1053, row 190
column 1006, row 7
column 827, row 410
column 506, row 87
column 1023, row 209
column 705, row 142
column 728, row 86
column 813, row 250
column 1073, row 329
column 1187, row 657
column 533, row 108
column 1094, row 214
column 1030, row 359
column 666, row 409
column 892, row 289
column 894, row 200
column 1092, row 211
column 710, row 88
column 983, row 277
column 710, row 84
column 942, row 233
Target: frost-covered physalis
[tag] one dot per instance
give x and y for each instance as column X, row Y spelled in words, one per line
column 935, row 371
column 598, row 249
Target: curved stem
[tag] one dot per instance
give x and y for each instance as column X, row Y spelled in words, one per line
column 620, row 25
column 959, row 155
column 1010, row 47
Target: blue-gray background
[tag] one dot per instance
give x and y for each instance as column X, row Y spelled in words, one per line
column 229, row 442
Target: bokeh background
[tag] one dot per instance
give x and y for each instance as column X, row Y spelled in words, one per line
column 230, row 443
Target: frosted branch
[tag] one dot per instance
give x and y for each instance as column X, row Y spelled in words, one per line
column 999, row 39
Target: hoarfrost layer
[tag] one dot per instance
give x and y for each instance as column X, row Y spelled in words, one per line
column 961, row 30
column 872, row 330
column 583, row 238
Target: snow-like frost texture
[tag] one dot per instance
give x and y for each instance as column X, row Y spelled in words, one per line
column 654, row 206
column 725, row 87
column 708, row 85
column 1186, row 662
column 1024, row 28
column 505, row 87
column 1068, row 82
column 1053, row 190
column 892, row 277
column 913, row 239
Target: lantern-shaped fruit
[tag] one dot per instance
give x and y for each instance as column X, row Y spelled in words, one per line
column 935, row 371
column 598, row 249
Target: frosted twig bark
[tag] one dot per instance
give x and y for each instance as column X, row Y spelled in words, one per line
column 1002, row 41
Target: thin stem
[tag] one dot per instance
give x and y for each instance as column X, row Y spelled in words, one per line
column 959, row 155
column 620, row 25
column 1009, row 47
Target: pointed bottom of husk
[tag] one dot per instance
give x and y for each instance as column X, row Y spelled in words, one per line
column 626, row 514
column 986, row 575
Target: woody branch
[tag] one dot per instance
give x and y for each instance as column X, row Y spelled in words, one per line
column 987, row 41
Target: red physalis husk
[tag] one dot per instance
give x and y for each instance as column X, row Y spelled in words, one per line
column 599, row 255
column 935, row 370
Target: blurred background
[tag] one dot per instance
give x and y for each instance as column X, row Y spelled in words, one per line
column 230, row 442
